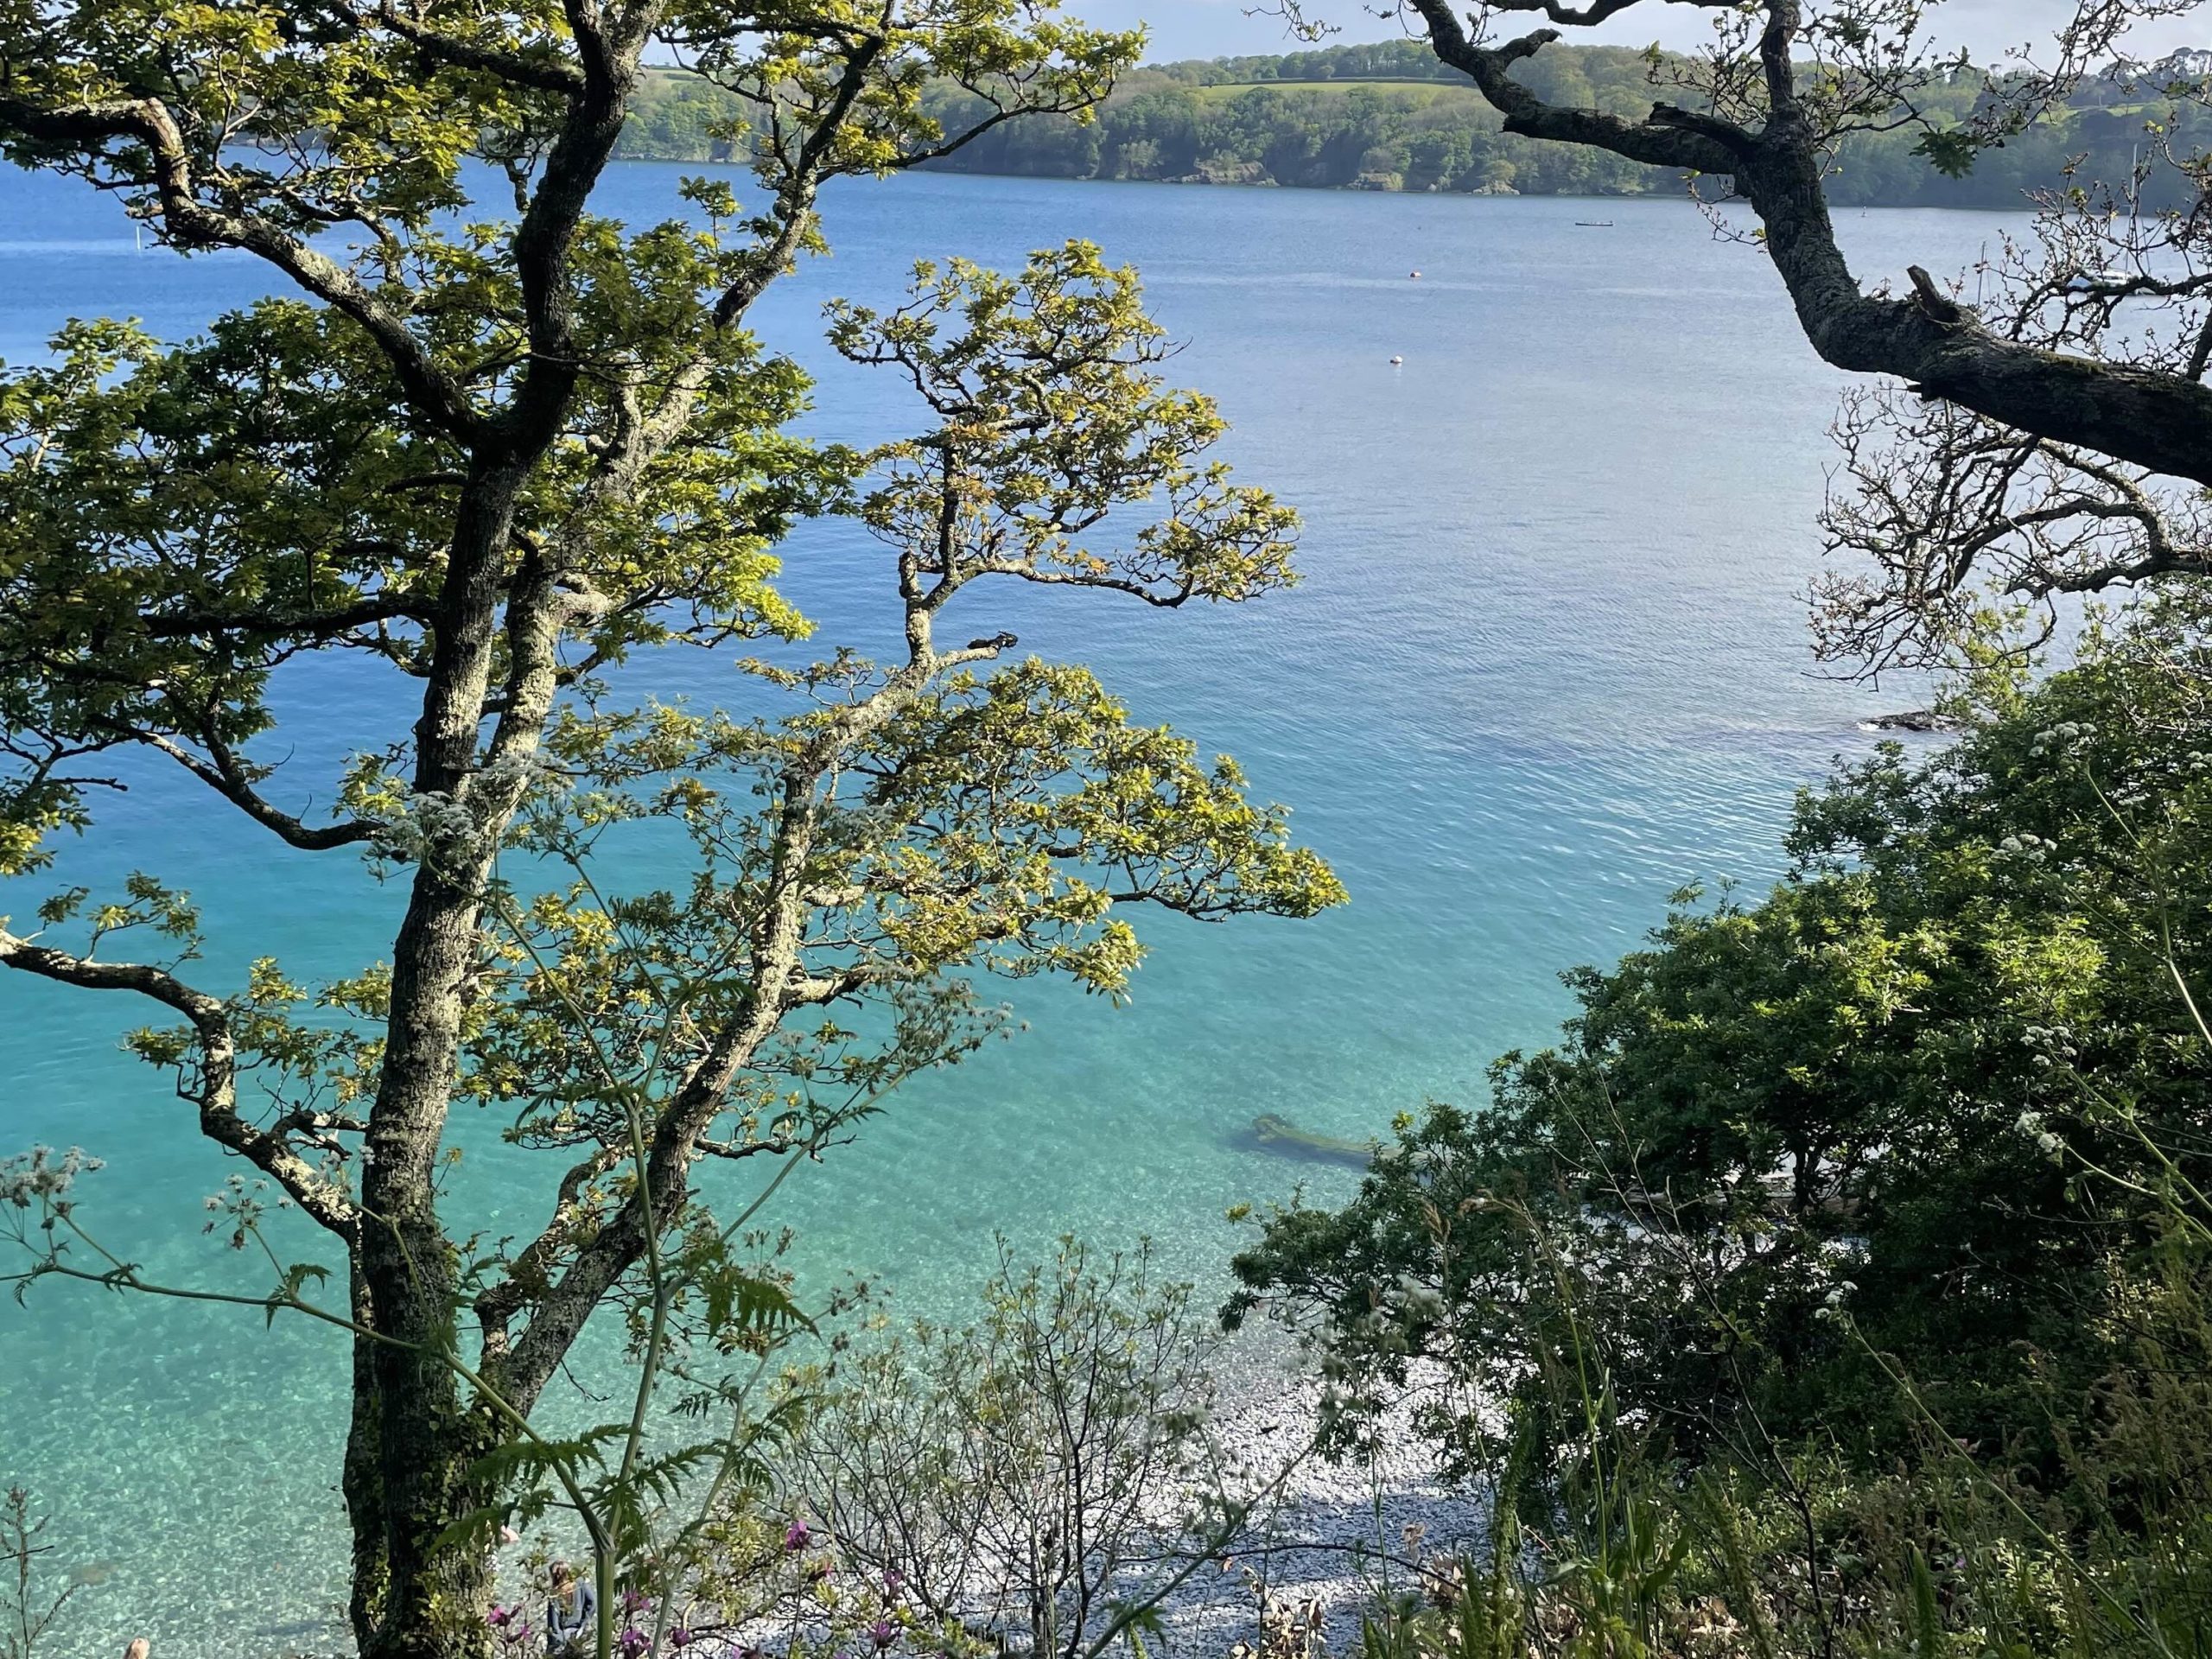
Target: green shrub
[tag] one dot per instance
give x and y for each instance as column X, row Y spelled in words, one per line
column 1839, row 1284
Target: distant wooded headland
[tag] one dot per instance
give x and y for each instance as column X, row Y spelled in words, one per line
column 1389, row 117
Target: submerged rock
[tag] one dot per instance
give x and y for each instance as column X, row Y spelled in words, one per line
column 1279, row 1134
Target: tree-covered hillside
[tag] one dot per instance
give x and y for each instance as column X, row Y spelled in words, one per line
column 1390, row 117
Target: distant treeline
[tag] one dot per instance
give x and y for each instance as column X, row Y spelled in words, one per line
column 1389, row 117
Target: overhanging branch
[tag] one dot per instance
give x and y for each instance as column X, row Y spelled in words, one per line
column 2158, row 421
column 191, row 223
column 216, row 1089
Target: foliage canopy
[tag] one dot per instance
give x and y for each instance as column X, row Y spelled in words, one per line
column 1926, row 1105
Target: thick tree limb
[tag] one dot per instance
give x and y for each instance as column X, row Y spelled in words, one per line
column 1658, row 142
column 362, row 612
column 2159, row 421
column 2148, row 418
column 597, row 111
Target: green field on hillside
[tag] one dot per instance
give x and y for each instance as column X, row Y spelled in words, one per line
column 1423, row 91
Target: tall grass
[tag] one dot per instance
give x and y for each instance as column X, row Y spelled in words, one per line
column 1617, row 1551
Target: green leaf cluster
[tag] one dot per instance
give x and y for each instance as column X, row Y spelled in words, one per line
column 1929, row 1100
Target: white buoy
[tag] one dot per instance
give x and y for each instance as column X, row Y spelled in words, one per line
column 1415, row 277
column 1397, row 362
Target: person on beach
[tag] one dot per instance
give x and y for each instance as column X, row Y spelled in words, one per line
column 571, row 1612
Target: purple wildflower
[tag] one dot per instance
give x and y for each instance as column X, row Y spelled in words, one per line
column 796, row 1537
column 883, row 1633
column 633, row 1642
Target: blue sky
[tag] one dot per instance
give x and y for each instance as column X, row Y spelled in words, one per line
column 1198, row 28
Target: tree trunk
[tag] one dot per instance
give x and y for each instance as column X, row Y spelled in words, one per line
column 416, row 1440
column 414, row 1435
column 416, row 1595
column 363, row 1495
column 410, row 1595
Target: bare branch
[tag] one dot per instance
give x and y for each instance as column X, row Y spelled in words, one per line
column 215, row 1086
column 227, row 777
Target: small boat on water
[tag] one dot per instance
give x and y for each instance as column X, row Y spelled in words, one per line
column 1594, row 224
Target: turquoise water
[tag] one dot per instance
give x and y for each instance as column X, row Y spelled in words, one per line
column 1549, row 663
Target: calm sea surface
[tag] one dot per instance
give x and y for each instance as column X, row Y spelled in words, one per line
column 1549, row 662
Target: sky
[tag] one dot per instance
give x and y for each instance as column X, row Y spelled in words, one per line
column 1206, row 28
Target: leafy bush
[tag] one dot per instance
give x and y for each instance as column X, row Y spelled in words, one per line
column 1878, row 1088
column 1037, row 1479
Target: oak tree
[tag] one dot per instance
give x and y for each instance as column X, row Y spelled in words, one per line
column 509, row 452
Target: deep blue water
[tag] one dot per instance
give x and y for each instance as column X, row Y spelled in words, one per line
column 1549, row 662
